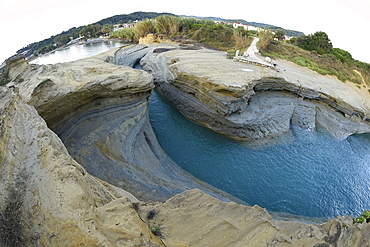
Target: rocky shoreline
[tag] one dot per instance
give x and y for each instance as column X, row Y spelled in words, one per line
column 100, row 112
column 77, row 134
column 251, row 102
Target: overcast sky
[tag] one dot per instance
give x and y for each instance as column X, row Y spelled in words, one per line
column 346, row 22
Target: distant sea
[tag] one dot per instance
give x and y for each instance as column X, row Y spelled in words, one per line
column 75, row 52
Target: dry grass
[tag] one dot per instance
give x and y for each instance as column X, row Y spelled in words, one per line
column 326, row 64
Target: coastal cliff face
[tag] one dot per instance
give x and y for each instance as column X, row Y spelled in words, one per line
column 69, row 131
column 47, row 198
column 100, row 112
column 251, row 102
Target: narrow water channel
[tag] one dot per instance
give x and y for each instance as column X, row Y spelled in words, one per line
column 310, row 174
column 313, row 175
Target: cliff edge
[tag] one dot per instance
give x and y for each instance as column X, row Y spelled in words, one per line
column 58, row 122
column 251, row 102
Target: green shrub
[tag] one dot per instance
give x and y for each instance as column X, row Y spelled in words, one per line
column 231, row 54
column 167, row 24
column 45, row 80
column 342, row 55
column 365, row 216
column 125, row 34
column 300, row 61
column 156, row 230
column 328, row 64
column 266, row 37
column 318, row 42
column 144, row 28
column 4, row 82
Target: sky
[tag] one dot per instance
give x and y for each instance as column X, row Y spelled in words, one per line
column 346, row 22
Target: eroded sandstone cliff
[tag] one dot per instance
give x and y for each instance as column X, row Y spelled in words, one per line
column 99, row 110
column 47, row 198
column 251, row 102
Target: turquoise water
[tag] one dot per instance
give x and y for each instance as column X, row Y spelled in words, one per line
column 312, row 175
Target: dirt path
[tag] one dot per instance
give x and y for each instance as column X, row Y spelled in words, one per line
column 253, row 56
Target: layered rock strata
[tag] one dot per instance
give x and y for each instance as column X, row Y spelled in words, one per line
column 100, row 112
column 130, row 56
column 196, row 219
column 48, row 199
column 251, row 102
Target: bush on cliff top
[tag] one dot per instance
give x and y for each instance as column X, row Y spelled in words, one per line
column 364, row 217
column 218, row 36
column 337, row 62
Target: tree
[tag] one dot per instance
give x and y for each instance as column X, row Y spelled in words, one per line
column 144, row 28
column 75, row 33
column 318, row 41
column 304, row 42
column 266, row 37
column 167, row 24
column 322, row 42
column 61, row 39
column 91, row 31
column 126, row 34
column 280, row 34
column 241, row 37
column 342, row 55
column 107, row 29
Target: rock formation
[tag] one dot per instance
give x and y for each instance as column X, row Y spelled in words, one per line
column 47, row 198
column 100, row 112
column 250, row 102
column 196, row 219
column 61, row 124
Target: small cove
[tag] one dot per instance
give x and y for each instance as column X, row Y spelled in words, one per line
column 75, row 52
column 314, row 175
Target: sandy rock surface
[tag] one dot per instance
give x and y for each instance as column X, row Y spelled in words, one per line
column 100, row 112
column 252, row 102
column 62, row 126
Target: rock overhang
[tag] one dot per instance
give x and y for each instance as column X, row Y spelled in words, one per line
column 70, row 207
column 228, row 88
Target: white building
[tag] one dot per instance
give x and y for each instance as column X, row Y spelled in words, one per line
column 246, row 26
column 117, row 27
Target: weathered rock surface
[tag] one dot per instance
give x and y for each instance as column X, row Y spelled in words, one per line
column 252, row 102
column 130, row 56
column 100, row 112
column 196, row 219
column 46, row 197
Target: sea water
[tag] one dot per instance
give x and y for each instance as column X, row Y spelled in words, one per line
column 75, row 52
column 310, row 174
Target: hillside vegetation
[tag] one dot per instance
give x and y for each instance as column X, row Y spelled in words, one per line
column 105, row 26
column 292, row 33
column 316, row 52
column 219, row 36
column 92, row 30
